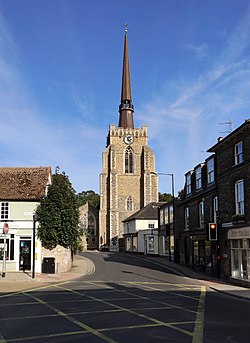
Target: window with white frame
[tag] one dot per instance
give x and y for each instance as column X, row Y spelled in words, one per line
column 4, row 210
column 171, row 214
column 9, row 247
column 161, row 216
column 198, row 178
column 186, row 218
column 201, row 214
column 166, row 215
column 151, row 226
column 129, row 160
column 215, row 209
column 210, row 171
column 238, row 153
column 239, row 197
column 129, row 204
column 188, row 184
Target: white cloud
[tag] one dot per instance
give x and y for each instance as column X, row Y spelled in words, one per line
column 200, row 51
column 189, row 121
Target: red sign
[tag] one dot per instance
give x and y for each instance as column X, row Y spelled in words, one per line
column 5, row 228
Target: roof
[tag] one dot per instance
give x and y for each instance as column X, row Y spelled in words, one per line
column 150, row 211
column 222, row 141
column 23, row 183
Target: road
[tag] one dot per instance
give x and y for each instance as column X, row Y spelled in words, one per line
column 127, row 299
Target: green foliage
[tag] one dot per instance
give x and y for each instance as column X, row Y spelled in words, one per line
column 165, row 197
column 58, row 215
column 89, row 196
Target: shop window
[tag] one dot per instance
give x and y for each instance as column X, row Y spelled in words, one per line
column 9, row 248
column 238, row 153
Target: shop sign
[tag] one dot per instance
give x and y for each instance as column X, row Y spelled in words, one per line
column 227, row 224
column 239, row 233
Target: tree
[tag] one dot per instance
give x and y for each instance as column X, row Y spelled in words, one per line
column 58, row 215
column 165, row 197
column 89, row 196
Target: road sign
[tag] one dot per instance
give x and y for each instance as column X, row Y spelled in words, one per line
column 5, row 228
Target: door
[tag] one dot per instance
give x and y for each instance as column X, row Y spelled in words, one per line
column 25, row 254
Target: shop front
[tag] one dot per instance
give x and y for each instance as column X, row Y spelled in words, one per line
column 240, row 253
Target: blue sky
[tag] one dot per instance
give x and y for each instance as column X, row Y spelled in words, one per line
column 60, row 80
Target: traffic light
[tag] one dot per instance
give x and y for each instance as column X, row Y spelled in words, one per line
column 218, row 252
column 212, row 231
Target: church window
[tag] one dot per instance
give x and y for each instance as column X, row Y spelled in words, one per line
column 129, row 204
column 129, row 160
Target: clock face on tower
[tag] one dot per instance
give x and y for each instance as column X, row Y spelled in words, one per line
column 128, row 139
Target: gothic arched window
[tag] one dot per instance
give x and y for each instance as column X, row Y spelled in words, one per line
column 129, row 205
column 129, row 160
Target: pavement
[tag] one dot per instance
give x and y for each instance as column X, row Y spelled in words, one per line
column 20, row 281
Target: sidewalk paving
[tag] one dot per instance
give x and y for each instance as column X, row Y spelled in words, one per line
column 219, row 285
column 19, row 281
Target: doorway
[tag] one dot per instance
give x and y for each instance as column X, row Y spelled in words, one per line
column 25, row 254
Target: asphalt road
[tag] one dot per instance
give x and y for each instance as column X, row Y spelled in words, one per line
column 127, row 299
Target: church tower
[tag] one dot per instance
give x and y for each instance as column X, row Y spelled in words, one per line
column 128, row 180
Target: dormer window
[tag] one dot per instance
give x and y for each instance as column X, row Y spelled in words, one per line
column 210, row 171
column 198, row 178
column 238, row 153
column 188, row 184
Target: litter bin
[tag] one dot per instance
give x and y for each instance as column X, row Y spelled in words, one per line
column 48, row 266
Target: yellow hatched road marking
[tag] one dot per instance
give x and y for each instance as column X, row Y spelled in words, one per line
column 199, row 323
column 52, row 335
column 178, row 295
column 132, row 312
column 71, row 319
column 152, row 300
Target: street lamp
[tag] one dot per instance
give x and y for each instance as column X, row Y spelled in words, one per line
column 34, row 244
column 173, row 201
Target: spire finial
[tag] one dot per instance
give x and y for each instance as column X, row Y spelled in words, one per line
column 126, row 28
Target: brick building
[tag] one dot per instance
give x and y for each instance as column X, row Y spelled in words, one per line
column 218, row 191
column 196, row 209
column 233, row 183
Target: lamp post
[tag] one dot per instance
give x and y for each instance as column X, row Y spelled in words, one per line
column 5, row 232
column 34, row 244
column 173, row 201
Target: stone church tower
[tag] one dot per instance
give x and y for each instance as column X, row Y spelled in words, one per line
column 128, row 180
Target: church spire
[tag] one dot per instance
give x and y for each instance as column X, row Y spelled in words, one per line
column 126, row 108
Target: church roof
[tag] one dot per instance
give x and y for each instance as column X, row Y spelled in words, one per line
column 23, row 183
column 150, row 211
